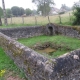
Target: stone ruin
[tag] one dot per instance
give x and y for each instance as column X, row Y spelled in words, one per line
column 35, row 65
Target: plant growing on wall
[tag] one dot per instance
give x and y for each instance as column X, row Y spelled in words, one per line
column 1, row 13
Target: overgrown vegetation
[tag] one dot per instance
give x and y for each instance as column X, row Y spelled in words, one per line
column 77, row 16
column 7, row 65
column 66, row 42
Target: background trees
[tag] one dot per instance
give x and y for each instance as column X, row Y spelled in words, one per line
column 76, row 13
column 43, row 6
column 8, row 13
column 28, row 11
column 64, row 7
column 1, row 14
column 15, row 10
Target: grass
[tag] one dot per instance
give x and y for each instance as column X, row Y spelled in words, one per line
column 73, row 43
column 8, row 65
column 41, row 20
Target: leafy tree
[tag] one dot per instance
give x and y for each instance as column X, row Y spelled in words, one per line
column 76, row 13
column 1, row 14
column 34, row 12
column 15, row 11
column 22, row 11
column 43, row 5
column 64, row 7
column 28, row 11
column 8, row 13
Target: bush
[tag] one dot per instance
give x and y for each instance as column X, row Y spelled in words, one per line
column 76, row 20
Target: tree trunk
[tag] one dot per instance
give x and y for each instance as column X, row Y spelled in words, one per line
column 4, row 12
column 0, row 22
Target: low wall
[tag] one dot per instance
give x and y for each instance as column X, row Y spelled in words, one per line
column 38, row 67
column 23, row 32
column 63, row 30
column 50, row 29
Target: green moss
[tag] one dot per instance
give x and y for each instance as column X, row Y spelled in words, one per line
column 29, row 71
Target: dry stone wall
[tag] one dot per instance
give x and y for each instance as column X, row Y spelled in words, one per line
column 35, row 65
column 63, row 30
column 38, row 67
column 23, row 32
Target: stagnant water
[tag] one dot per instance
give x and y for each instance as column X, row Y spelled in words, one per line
column 48, row 50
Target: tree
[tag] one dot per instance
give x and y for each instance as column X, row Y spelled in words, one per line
column 28, row 11
column 8, row 13
column 15, row 11
column 43, row 5
column 34, row 12
column 1, row 13
column 76, row 13
column 22, row 11
column 64, row 7
column 4, row 12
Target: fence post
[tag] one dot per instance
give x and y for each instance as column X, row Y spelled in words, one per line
column 35, row 20
column 70, row 17
column 60, row 19
column 11, row 19
column 22, row 20
column 48, row 19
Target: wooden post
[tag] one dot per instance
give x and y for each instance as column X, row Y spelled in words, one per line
column 60, row 19
column 11, row 19
column 22, row 19
column 35, row 20
column 0, row 22
column 4, row 12
column 48, row 19
column 70, row 17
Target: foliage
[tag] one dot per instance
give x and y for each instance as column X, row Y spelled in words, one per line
column 1, row 12
column 64, row 7
column 76, row 13
column 2, row 72
column 28, row 11
column 43, row 5
column 17, row 11
column 34, row 12
column 7, row 65
column 22, row 11
column 8, row 13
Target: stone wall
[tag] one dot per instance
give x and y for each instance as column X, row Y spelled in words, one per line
column 38, row 67
column 63, row 30
column 23, row 32
column 49, row 29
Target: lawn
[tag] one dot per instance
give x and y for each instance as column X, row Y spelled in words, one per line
column 8, row 67
column 71, row 43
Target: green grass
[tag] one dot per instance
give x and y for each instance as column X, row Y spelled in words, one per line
column 7, row 64
column 73, row 43
column 41, row 20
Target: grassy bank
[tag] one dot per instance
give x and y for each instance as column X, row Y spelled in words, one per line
column 72, row 43
column 8, row 67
